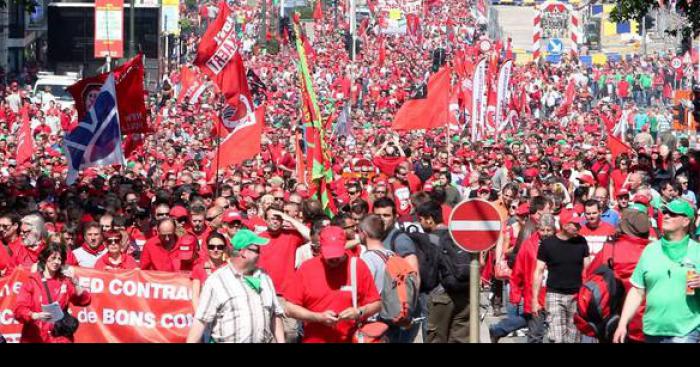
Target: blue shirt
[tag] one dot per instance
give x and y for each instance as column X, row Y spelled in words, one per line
column 611, row 217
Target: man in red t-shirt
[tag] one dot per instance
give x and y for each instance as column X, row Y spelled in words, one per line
column 321, row 294
column 277, row 258
column 594, row 229
column 160, row 252
column 602, row 169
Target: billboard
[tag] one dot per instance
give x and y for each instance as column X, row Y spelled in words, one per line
column 109, row 28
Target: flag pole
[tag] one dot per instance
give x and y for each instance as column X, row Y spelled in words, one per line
column 218, row 152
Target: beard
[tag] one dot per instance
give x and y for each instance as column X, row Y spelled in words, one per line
column 31, row 240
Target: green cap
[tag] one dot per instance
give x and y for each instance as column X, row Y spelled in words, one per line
column 680, row 206
column 683, row 150
column 455, row 138
column 561, row 142
column 245, row 238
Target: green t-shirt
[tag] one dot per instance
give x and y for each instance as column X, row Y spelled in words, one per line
column 646, row 81
column 654, row 123
column 669, row 311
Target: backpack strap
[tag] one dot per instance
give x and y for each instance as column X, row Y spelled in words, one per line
column 394, row 236
column 48, row 293
column 381, row 255
column 353, row 280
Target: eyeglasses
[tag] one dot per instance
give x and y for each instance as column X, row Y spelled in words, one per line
column 164, row 214
column 216, row 247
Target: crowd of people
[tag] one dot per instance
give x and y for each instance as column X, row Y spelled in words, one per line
column 252, row 231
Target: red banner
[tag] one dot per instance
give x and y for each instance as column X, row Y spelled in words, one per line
column 131, row 306
column 130, row 95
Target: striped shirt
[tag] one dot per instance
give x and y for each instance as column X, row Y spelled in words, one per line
column 236, row 313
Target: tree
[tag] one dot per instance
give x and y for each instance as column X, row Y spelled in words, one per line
column 626, row 10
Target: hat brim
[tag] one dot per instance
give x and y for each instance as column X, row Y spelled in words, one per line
column 332, row 252
column 689, row 215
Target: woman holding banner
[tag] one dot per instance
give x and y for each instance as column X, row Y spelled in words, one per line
column 43, row 300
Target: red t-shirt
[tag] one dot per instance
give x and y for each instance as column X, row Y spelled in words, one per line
column 26, row 257
column 402, row 198
column 156, row 257
column 618, row 179
column 277, row 258
column 602, row 171
column 198, row 272
column 319, row 288
column 127, row 263
column 6, row 262
column 597, row 237
column 387, row 165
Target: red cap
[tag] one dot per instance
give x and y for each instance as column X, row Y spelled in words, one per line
column 178, row 212
column 247, row 192
column 231, row 215
column 602, row 150
column 587, row 179
column 187, row 244
column 205, row 190
column 567, row 217
column 523, row 209
column 332, row 241
column 623, row 192
column 641, row 199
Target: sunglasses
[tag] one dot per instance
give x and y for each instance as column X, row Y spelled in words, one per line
column 165, row 214
column 216, row 247
column 380, row 192
column 352, row 192
column 671, row 214
column 113, row 240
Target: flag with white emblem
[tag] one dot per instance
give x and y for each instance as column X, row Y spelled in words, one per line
column 96, row 141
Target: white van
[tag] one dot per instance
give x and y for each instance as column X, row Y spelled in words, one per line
column 58, row 85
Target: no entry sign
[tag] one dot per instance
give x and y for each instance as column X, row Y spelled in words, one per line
column 475, row 225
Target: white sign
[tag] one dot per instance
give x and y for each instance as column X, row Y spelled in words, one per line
column 485, row 45
column 676, row 63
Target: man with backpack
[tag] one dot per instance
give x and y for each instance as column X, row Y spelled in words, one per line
column 448, row 307
column 620, row 256
column 396, row 282
column 403, row 245
column 565, row 256
column 666, row 278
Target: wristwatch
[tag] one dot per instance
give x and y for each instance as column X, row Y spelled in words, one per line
column 361, row 312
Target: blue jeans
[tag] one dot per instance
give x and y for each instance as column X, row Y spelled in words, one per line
column 692, row 338
column 515, row 320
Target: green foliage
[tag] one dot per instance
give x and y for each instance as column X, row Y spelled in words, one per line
column 626, row 10
column 272, row 46
column 186, row 26
column 305, row 12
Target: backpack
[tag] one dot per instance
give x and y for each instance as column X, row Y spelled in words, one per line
column 599, row 303
column 399, row 291
column 428, row 258
column 454, row 265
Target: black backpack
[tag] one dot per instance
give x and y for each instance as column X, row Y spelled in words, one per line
column 428, row 258
column 454, row 265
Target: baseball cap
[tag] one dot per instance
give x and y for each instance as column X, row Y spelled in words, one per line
column 680, row 206
column 567, row 217
column 588, row 179
column 178, row 212
column 186, row 246
column 623, row 192
column 523, row 209
column 332, row 241
column 245, row 238
column 231, row 215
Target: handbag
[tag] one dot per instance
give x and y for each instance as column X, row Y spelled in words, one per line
column 369, row 332
column 501, row 270
column 65, row 327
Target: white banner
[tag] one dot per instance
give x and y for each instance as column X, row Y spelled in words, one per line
column 478, row 100
column 503, row 93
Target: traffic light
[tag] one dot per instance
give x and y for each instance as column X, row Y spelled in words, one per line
column 696, row 106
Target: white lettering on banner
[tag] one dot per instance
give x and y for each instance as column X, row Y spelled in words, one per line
column 128, row 318
column 8, row 289
column 7, row 318
column 224, row 53
column 178, row 321
column 12, row 338
column 95, row 285
column 150, row 290
column 85, row 316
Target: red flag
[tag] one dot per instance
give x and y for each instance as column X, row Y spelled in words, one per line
column 191, row 85
column 429, row 112
column 218, row 58
column 242, row 143
column 130, row 95
column 617, row 146
column 25, row 141
column 318, row 11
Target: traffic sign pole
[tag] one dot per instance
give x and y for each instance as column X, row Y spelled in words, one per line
column 474, row 300
column 475, row 226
